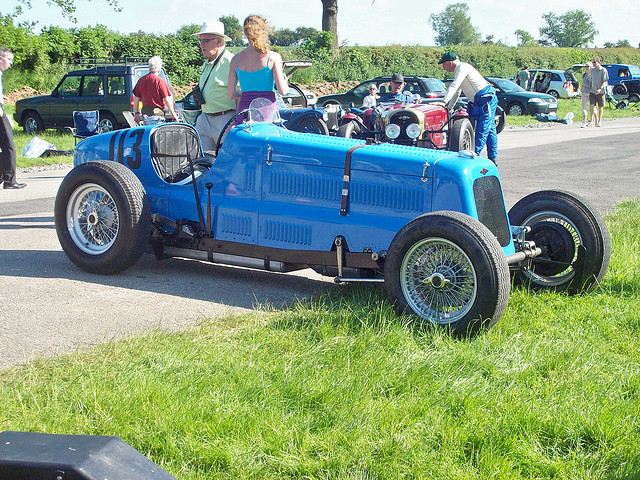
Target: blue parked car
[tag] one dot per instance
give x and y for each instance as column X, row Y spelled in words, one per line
column 430, row 225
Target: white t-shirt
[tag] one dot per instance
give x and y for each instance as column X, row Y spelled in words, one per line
column 370, row 100
column 466, row 78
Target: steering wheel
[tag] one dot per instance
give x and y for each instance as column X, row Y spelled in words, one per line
column 227, row 126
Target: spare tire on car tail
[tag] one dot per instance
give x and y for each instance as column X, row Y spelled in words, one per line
column 102, row 217
column 573, row 237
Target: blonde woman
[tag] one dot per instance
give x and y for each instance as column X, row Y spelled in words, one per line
column 256, row 68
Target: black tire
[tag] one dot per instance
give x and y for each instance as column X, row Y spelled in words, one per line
column 312, row 125
column 449, row 270
column 554, row 94
column 32, row 123
column 102, row 217
column 501, row 119
column 107, row 123
column 563, row 225
column 634, row 98
column 516, row 109
column 619, row 89
column 349, row 130
column 461, row 136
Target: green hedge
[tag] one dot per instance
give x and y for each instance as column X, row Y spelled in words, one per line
column 361, row 63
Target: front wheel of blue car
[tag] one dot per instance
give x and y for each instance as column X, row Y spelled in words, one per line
column 102, row 217
column 449, row 270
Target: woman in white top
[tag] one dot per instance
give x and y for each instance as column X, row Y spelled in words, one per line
column 372, row 99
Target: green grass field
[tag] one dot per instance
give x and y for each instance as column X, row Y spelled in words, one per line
column 338, row 387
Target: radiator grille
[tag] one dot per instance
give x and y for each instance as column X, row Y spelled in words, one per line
column 490, row 206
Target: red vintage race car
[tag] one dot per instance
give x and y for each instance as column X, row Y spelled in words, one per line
column 411, row 120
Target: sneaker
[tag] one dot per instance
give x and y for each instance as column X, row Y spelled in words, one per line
column 13, row 185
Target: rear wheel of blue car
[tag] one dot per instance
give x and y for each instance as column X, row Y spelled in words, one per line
column 573, row 237
column 102, row 217
column 449, row 270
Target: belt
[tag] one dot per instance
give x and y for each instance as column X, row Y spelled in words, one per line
column 217, row 114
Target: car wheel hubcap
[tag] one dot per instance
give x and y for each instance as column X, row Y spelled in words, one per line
column 557, row 262
column 438, row 280
column 93, row 220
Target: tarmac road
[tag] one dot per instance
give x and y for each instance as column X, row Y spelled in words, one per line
column 48, row 306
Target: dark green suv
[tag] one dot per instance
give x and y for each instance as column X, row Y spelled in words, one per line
column 106, row 87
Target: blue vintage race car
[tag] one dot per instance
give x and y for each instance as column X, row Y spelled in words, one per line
column 431, row 225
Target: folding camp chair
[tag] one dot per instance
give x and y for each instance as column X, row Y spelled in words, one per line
column 85, row 124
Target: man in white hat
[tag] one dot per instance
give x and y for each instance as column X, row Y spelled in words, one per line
column 218, row 107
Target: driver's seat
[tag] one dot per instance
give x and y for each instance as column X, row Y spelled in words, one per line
column 171, row 146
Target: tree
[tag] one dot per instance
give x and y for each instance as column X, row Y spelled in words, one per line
column 524, row 38
column 68, row 7
column 573, row 29
column 330, row 20
column 285, row 37
column 453, row 26
column 233, row 30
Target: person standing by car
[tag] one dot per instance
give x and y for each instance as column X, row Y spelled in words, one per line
column 217, row 108
column 584, row 95
column 8, row 159
column 371, row 100
column 256, row 68
column 599, row 82
column 396, row 85
column 523, row 77
column 482, row 101
column 154, row 93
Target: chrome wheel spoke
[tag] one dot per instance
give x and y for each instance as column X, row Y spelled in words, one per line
column 438, row 280
column 93, row 219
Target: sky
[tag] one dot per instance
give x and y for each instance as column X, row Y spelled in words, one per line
column 360, row 22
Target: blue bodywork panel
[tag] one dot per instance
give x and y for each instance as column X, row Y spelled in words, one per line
column 277, row 188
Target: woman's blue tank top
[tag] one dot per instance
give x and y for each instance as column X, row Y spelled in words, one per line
column 258, row 81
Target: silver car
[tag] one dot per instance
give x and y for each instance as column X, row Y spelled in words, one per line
column 558, row 83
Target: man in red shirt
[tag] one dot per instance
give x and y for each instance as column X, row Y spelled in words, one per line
column 154, row 93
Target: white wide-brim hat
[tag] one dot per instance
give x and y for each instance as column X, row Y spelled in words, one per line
column 213, row 28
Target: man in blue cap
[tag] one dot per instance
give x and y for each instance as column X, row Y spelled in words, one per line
column 482, row 101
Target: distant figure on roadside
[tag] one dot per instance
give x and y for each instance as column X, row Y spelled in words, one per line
column 523, row 77
column 8, row 159
column 599, row 82
column 584, row 96
column 371, row 100
column 482, row 101
column 217, row 108
column 256, row 69
column 154, row 93
column 396, row 86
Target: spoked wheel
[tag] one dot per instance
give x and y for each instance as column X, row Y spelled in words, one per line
column 312, row 125
column 102, row 217
column 448, row 270
column 573, row 237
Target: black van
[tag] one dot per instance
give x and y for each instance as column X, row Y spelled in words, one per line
column 105, row 87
